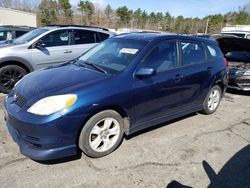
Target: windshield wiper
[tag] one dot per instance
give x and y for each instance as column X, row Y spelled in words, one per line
column 78, row 62
column 96, row 67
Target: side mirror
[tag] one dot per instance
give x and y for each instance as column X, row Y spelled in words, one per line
column 145, row 72
column 40, row 44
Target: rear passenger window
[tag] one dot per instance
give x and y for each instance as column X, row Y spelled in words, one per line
column 193, row 53
column 162, row 57
column 84, row 37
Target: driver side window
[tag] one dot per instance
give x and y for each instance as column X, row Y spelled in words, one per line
column 57, row 38
column 162, row 57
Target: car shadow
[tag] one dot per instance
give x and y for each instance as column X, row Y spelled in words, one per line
column 238, row 92
column 127, row 137
column 235, row 173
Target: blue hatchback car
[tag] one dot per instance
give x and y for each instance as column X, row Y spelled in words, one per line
column 123, row 85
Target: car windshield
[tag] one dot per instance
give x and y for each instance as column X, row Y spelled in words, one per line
column 5, row 35
column 29, row 36
column 113, row 55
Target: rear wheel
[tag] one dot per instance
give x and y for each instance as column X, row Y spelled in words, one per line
column 212, row 100
column 102, row 134
column 9, row 76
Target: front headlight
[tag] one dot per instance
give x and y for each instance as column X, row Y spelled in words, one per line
column 247, row 73
column 52, row 104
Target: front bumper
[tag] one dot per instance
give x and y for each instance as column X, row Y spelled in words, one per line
column 42, row 138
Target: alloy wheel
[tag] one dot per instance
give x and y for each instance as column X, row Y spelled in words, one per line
column 104, row 134
column 213, row 99
column 9, row 78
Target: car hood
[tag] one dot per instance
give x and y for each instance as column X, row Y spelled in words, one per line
column 229, row 44
column 58, row 80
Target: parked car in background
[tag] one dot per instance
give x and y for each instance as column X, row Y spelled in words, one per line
column 10, row 32
column 44, row 47
column 237, row 52
column 125, row 84
column 242, row 31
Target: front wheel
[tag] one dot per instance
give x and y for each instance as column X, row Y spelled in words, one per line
column 9, row 76
column 102, row 134
column 212, row 100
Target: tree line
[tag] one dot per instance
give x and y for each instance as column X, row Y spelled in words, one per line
column 88, row 13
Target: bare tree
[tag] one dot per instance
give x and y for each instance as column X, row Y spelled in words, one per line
column 5, row 3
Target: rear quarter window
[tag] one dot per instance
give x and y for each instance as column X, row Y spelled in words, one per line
column 214, row 52
column 101, row 36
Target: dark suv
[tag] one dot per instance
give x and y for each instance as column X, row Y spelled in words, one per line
column 9, row 32
column 123, row 85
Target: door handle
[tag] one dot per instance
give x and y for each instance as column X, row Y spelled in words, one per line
column 178, row 78
column 67, row 51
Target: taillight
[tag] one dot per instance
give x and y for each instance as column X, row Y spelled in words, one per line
column 226, row 61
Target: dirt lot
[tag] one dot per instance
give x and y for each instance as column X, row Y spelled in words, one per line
column 190, row 150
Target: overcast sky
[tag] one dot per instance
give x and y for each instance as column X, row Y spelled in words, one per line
column 186, row 8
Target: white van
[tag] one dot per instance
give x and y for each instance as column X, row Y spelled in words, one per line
column 242, row 31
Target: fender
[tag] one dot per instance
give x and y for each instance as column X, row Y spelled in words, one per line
column 17, row 59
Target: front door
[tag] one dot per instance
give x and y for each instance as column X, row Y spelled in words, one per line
column 56, row 49
column 158, row 95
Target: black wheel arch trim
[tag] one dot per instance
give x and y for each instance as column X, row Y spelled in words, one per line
column 17, row 60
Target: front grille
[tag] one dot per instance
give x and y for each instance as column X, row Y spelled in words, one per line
column 19, row 100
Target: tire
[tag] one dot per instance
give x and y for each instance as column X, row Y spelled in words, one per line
column 9, row 76
column 101, row 134
column 212, row 100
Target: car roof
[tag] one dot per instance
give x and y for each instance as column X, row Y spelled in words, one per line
column 13, row 27
column 161, row 36
column 90, row 28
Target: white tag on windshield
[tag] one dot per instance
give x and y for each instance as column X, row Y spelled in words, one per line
column 128, row 50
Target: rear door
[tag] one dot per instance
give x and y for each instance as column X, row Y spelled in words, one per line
column 56, row 49
column 83, row 40
column 197, row 73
